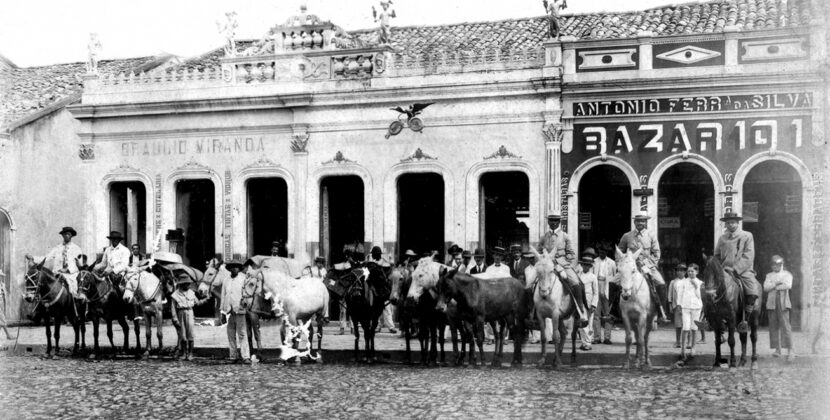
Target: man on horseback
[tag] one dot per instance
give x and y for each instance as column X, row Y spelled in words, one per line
column 64, row 260
column 736, row 252
column 642, row 238
column 114, row 264
column 557, row 243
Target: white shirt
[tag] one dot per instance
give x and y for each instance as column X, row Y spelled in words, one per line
column 606, row 268
column 589, row 282
column 63, row 256
column 501, row 270
column 688, row 294
column 116, row 258
column 318, row 272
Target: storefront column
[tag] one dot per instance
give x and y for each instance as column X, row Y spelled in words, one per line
column 298, row 245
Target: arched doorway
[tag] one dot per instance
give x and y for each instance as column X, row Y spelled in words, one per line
column 772, row 206
column 504, row 209
column 685, row 216
column 267, row 217
column 604, row 206
column 195, row 215
column 341, row 215
column 421, row 212
column 128, row 212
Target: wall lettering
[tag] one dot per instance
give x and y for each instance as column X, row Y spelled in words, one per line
column 205, row 146
column 228, row 204
column 694, row 104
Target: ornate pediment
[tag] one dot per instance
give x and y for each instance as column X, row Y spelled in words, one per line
column 192, row 165
column 262, row 162
column 338, row 159
column 124, row 167
column 502, row 153
column 418, row 156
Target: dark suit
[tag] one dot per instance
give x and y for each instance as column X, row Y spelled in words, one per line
column 520, row 271
column 476, row 270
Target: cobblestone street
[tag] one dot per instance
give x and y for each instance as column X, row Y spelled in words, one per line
column 62, row 388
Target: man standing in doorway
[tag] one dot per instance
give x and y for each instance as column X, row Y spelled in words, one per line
column 497, row 269
column 277, row 249
column 135, row 256
column 736, row 252
column 64, row 259
column 515, row 261
column 606, row 271
column 479, row 266
column 642, row 238
column 557, row 243
column 466, row 256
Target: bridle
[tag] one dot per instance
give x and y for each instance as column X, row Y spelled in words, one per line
column 137, row 288
column 58, row 294
column 84, row 288
column 634, row 272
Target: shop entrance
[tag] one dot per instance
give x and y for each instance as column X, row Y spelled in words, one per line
column 686, row 216
column 504, row 209
column 128, row 212
column 772, row 206
column 6, row 254
column 341, row 215
column 421, row 213
column 267, row 217
column 195, row 214
column 604, row 207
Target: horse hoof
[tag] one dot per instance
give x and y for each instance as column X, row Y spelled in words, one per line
column 516, row 364
column 541, row 363
column 753, row 366
column 742, row 363
column 627, row 365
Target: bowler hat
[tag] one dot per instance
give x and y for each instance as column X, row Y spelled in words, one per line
column 466, row 254
column 730, row 216
column 643, row 215
column 478, row 252
column 497, row 250
column 586, row 260
column 276, row 243
column 68, row 229
column 183, row 278
column 554, row 216
column 410, row 253
column 454, row 249
column 115, row 235
column 589, row 251
column 320, row 258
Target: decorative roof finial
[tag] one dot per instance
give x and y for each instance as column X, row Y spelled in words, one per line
column 94, row 48
column 228, row 30
column 385, row 18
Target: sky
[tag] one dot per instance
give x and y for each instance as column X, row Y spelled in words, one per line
column 40, row 32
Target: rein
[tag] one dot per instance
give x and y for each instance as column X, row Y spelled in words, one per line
column 59, row 294
column 138, row 290
column 99, row 296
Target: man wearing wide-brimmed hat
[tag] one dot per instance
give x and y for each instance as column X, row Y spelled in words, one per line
column 558, row 244
column 606, row 271
column 63, row 259
column 116, row 256
column 235, row 306
column 736, row 252
column 642, row 238
column 182, row 302
column 590, row 283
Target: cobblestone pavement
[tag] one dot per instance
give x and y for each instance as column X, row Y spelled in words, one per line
column 31, row 388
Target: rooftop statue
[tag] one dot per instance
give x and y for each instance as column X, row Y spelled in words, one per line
column 94, row 48
column 552, row 9
column 385, row 19
column 228, row 29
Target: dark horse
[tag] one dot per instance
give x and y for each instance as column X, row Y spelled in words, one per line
column 479, row 300
column 365, row 299
column 104, row 300
column 723, row 305
column 55, row 302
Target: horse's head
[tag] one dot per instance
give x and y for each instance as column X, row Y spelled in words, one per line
column 400, row 284
column 627, row 270
column 215, row 274
column 713, row 276
column 131, row 285
column 545, row 270
column 87, row 286
column 447, row 287
column 425, row 276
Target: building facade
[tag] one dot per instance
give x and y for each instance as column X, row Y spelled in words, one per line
column 293, row 138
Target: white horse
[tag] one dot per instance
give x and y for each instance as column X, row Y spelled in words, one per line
column 300, row 300
column 145, row 289
column 551, row 301
column 636, row 306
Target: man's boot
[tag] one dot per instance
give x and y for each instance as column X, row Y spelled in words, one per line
column 661, row 314
column 749, row 307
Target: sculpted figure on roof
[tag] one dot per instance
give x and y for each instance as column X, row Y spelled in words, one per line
column 94, row 48
column 385, row 18
column 228, row 30
column 552, row 9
